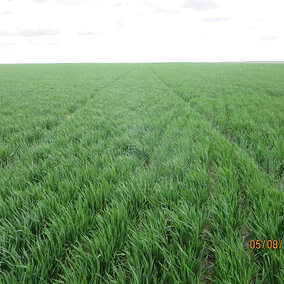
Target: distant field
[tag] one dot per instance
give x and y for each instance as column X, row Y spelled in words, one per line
column 141, row 173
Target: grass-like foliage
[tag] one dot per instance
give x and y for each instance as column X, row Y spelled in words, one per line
column 141, row 173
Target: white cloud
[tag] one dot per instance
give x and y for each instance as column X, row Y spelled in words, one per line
column 30, row 32
column 37, row 32
column 140, row 30
column 200, row 4
column 6, row 33
column 68, row 2
column 215, row 19
column 161, row 9
column 87, row 33
column 270, row 37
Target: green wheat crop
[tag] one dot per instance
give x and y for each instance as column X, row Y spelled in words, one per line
column 141, row 173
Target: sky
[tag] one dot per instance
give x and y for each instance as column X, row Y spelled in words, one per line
column 55, row 31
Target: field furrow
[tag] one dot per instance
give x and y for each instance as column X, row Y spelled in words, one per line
column 237, row 117
column 236, row 187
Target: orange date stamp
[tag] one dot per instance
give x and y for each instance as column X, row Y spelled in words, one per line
column 269, row 244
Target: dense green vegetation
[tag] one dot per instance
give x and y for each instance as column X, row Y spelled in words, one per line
column 141, row 173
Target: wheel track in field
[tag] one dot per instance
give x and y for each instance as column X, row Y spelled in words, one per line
column 89, row 99
column 32, row 178
column 97, row 91
column 207, row 268
column 227, row 132
column 141, row 218
column 37, row 181
column 13, row 159
column 210, row 259
column 208, row 262
column 76, row 110
column 255, row 82
column 216, row 128
column 146, row 167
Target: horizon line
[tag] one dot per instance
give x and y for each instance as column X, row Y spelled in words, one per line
column 149, row 62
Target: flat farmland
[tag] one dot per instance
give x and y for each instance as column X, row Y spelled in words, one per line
column 142, row 173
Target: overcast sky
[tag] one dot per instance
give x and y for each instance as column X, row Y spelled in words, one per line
column 140, row 30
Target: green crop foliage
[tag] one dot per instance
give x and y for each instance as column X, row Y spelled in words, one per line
column 141, row 173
